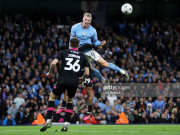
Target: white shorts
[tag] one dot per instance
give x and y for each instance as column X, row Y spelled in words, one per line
column 92, row 55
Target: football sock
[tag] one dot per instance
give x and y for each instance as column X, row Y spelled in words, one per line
column 89, row 108
column 63, row 103
column 50, row 109
column 98, row 74
column 116, row 68
column 69, row 111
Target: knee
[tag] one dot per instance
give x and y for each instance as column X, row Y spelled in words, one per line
column 90, row 94
column 105, row 64
column 52, row 97
column 70, row 100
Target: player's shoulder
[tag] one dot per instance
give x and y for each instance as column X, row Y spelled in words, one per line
column 92, row 28
column 76, row 25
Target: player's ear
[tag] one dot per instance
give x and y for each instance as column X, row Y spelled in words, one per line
column 78, row 45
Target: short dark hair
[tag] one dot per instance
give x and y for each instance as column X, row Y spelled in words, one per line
column 74, row 42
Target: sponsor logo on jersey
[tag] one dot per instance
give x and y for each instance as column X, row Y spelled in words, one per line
column 73, row 55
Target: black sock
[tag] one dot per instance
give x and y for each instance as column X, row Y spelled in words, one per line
column 89, row 108
column 50, row 109
column 69, row 111
column 63, row 103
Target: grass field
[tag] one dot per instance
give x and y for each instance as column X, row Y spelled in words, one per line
column 94, row 130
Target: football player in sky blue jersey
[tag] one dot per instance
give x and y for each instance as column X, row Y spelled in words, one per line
column 87, row 35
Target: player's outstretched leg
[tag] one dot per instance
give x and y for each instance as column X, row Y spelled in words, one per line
column 116, row 68
column 94, row 70
column 98, row 75
column 46, row 126
column 69, row 111
column 112, row 66
column 50, row 111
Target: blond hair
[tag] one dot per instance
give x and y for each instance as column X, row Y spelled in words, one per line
column 88, row 15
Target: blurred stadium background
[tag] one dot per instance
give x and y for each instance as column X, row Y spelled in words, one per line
column 147, row 43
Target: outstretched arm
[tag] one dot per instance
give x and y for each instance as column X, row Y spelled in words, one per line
column 95, row 39
column 103, row 42
column 53, row 64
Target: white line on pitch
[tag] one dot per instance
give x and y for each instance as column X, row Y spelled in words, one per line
column 158, row 132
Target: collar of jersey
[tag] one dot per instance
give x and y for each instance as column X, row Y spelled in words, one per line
column 84, row 28
column 74, row 49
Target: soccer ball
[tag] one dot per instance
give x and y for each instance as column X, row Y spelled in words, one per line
column 126, row 9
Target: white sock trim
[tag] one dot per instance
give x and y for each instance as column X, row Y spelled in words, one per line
column 48, row 120
column 122, row 71
column 66, row 124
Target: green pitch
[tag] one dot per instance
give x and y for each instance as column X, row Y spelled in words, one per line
column 94, row 130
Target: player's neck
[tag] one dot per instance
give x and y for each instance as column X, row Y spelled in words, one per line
column 85, row 27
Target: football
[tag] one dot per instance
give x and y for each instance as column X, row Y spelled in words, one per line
column 126, row 9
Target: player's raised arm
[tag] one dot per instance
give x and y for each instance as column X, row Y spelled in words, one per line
column 95, row 39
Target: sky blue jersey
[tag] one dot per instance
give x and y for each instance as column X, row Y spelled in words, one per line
column 85, row 35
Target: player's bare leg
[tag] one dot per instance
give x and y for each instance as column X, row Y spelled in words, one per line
column 50, row 111
column 90, row 103
column 94, row 70
column 112, row 66
column 97, row 73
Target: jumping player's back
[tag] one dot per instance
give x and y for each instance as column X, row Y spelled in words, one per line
column 72, row 63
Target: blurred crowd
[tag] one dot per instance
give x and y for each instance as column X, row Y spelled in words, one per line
column 150, row 51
